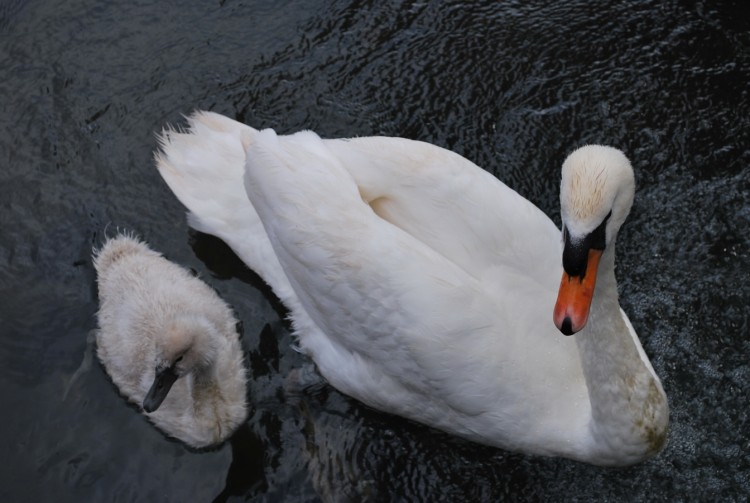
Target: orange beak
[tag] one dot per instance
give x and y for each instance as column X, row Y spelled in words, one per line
column 574, row 298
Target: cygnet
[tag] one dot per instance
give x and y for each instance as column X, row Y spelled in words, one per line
column 169, row 343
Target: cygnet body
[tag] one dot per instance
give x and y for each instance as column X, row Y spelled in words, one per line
column 169, row 343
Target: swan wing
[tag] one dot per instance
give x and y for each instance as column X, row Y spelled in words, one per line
column 385, row 302
column 451, row 205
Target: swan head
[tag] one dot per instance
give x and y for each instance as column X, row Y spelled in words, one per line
column 185, row 346
column 596, row 193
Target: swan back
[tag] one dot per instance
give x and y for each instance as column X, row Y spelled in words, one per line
column 169, row 343
column 451, row 205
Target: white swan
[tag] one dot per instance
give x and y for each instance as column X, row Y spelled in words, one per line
column 169, row 343
column 424, row 287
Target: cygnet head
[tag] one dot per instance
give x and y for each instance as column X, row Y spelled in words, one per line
column 186, row 346
column 596, row 193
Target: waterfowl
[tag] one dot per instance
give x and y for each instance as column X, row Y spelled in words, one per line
column 422, row 286
column 169, row 343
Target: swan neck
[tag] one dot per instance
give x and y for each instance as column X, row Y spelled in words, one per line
column 628, row 404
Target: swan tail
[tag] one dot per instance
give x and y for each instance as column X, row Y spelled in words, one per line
column 203, row 165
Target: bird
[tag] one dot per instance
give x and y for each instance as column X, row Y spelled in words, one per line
column 169, row 343
column 422, row 286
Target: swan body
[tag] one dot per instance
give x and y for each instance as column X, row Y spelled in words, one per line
column 169, row 343
column 422, row 286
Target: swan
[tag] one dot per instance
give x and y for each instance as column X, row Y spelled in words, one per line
column 422, row 286
column 169, row 343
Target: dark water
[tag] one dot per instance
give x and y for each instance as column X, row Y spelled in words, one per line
column 513, row 86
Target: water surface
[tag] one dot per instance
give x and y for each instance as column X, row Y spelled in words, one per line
column 513, row 86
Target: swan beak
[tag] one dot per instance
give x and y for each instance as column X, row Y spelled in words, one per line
column 575, row 295
column 163, row 382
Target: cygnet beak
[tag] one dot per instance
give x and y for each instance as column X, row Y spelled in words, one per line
column 163, row 382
